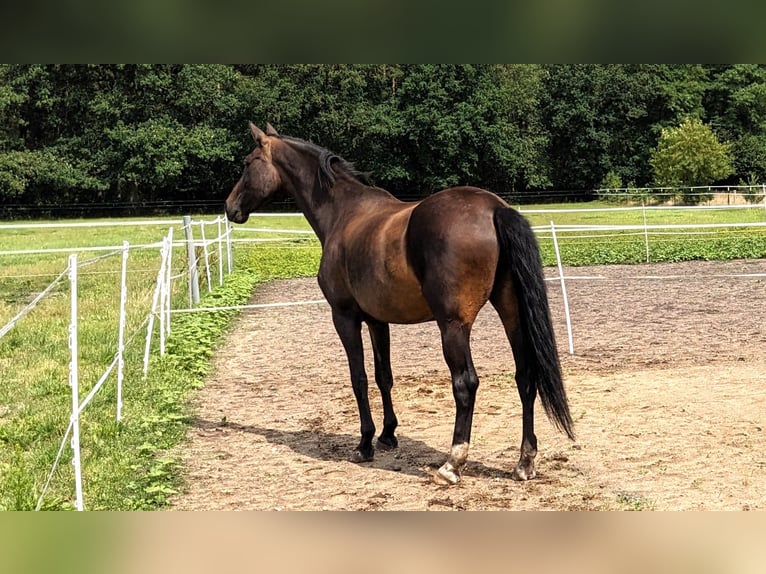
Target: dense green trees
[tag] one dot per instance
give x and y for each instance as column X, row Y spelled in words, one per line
column 153, row 135
column 606, row 119
column 736, row 101
column 115, row 134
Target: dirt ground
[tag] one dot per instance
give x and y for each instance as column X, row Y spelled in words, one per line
column 666, row 386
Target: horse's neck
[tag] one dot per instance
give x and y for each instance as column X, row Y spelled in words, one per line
column 325, row 209
column 299, row 184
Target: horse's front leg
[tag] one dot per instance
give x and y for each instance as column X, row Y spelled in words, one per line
column 381, row 347
column 349, row 328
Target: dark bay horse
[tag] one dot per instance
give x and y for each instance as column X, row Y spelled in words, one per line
column 387, row 261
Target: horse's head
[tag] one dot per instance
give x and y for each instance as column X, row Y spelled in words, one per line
column 260, row 179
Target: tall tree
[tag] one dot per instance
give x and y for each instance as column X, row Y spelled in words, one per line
column 690, row 155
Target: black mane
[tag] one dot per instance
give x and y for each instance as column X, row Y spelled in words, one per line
column 330, row 164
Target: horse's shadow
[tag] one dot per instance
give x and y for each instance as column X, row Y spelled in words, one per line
column 413, row 457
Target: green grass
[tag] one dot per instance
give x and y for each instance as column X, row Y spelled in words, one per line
column 129, row 465
column 665, row 245
column 133, row 464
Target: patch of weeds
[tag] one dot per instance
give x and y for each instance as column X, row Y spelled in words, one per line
column 629, row 500
column 18, row 483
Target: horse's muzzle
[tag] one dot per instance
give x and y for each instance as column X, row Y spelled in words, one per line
column 235, row 214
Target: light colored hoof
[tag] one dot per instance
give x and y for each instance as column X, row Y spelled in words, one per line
column 523, row 473
column 447, row 474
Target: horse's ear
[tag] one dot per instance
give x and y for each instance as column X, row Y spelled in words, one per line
column 256, row 131
column 270, row 131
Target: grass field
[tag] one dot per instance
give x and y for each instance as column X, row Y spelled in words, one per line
column 127, row 465
column 131, row 465
column 594, row 247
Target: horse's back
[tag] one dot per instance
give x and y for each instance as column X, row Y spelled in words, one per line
column 404, row 262
column 473, row 199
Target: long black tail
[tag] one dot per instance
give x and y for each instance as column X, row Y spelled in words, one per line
column 522, row 255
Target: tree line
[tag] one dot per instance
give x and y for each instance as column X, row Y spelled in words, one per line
column 103, row 139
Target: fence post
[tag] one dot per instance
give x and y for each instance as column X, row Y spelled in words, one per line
column 646, row 230
column 193, row 280
column 121, row 335
column 563, row 289
column 161, row 275
column 207, row 256
column 228, row 242
column 220, row 251
column 168, row 279
column 153, row 311
column 74, row 381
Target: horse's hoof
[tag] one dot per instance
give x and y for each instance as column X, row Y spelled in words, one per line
column 447, row 474
column 387, row 442
column 357, row 456
column 523, row 472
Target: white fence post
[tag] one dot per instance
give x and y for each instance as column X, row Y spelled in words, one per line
column 220, row 251
column 228, row 242
column 74, row 382
column 161, row 275
column 169, row 278
column 193, row 279
column 646, row 230
column 563, row 289
column 153, row 311
column 123, row 320
column 207, row 256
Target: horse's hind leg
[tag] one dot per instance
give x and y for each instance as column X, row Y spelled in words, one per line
column 504, row 301
column 381, row 347
column 525, row 469
column 457, row 353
